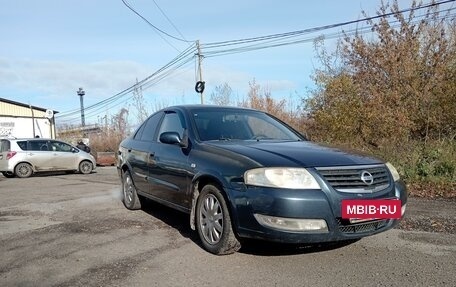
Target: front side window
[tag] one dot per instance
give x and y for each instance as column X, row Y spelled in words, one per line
column 60, row 146
column 171, row 123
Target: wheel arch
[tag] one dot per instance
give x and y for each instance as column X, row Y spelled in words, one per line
column 198, row 183
column 86, row 159
column 24, row 161
column 124, row 167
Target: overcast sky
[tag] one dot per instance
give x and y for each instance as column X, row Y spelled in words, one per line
column 50, row 48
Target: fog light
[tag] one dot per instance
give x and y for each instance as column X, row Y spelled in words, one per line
column 403, row 209
column 292, row 224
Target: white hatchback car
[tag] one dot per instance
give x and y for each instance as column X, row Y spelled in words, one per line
column 24, row 157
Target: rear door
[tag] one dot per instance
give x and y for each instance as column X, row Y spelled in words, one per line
column 140, row 152
column 38, row 155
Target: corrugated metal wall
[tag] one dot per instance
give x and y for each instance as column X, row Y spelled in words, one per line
column 7, row 109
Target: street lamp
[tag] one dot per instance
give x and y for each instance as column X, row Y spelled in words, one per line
column 81, row 94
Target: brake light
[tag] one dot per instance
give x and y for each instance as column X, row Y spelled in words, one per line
column 10, row 154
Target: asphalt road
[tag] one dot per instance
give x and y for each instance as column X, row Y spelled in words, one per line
column 72, row 230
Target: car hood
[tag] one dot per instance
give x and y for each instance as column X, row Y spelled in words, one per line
column 296, row 153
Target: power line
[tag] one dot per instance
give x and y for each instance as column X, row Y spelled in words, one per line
column 123, row 101
column 315, row 29
column 120, row 102
column 291, row 40
column 186, row 54
column 152, row 25
column 171, row 22
column 185, row 57
column 249, row 44
column 157, row 30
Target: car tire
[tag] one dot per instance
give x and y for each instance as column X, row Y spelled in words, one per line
column 8, row 174
column 85, row 167
column 130, row 198
column 213, row 222
column 23, row 170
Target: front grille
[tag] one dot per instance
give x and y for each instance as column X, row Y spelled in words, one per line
column 363, row 227
column 356, row 179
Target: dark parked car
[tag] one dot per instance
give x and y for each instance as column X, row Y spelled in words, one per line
column 242, row 173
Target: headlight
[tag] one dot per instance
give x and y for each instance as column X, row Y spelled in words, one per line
column 393, row 171
column 293, row 178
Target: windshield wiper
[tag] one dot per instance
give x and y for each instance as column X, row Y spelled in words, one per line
column 224, row 139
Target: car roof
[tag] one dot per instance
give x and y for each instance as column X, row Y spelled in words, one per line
column 208, row 107
column 31, row 139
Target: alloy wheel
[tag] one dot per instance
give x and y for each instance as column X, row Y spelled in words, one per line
column 211, row 219
column 128, row 189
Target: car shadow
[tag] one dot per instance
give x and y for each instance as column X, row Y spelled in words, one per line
column 51, row 173
column 180, row 222
column 57, row 173
column 264, row 248
column 171, row 217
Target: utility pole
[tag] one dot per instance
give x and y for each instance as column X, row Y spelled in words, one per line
column 200, row 83
column 81, row 94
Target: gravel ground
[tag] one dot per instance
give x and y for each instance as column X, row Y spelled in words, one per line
column 430, row 215
column 72, row 230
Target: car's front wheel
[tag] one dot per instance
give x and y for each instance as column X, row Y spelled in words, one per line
column 131, row 199
column 85, row 167
column 23, row 169
column 213, row 222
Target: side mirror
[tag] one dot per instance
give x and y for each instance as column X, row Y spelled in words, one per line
column 74, row 150
column 173, row 138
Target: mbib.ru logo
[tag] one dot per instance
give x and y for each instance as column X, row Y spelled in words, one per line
column 375, row 208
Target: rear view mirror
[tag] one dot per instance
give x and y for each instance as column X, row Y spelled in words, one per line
column 172, row 138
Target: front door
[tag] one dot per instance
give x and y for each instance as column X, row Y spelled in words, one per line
column 62, row 156
column 171, row 170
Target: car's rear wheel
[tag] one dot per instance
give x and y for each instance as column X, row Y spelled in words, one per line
column 8, row 174
column 130, row 199
column 213, row 222
column 23, row 169
column 85, row 167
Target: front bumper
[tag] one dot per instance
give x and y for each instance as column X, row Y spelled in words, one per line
column 311, row 205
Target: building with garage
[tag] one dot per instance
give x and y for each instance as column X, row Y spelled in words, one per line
column 25, row 121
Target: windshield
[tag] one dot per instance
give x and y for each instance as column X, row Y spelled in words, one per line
column 236, row 124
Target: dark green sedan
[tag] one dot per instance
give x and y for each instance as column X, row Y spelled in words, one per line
column 242, row 173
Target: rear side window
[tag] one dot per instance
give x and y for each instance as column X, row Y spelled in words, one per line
column 38, row 145
column 5, row 145
column 139, row 132
column 22, row 145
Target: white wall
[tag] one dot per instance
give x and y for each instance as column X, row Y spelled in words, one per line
column 24, row 127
